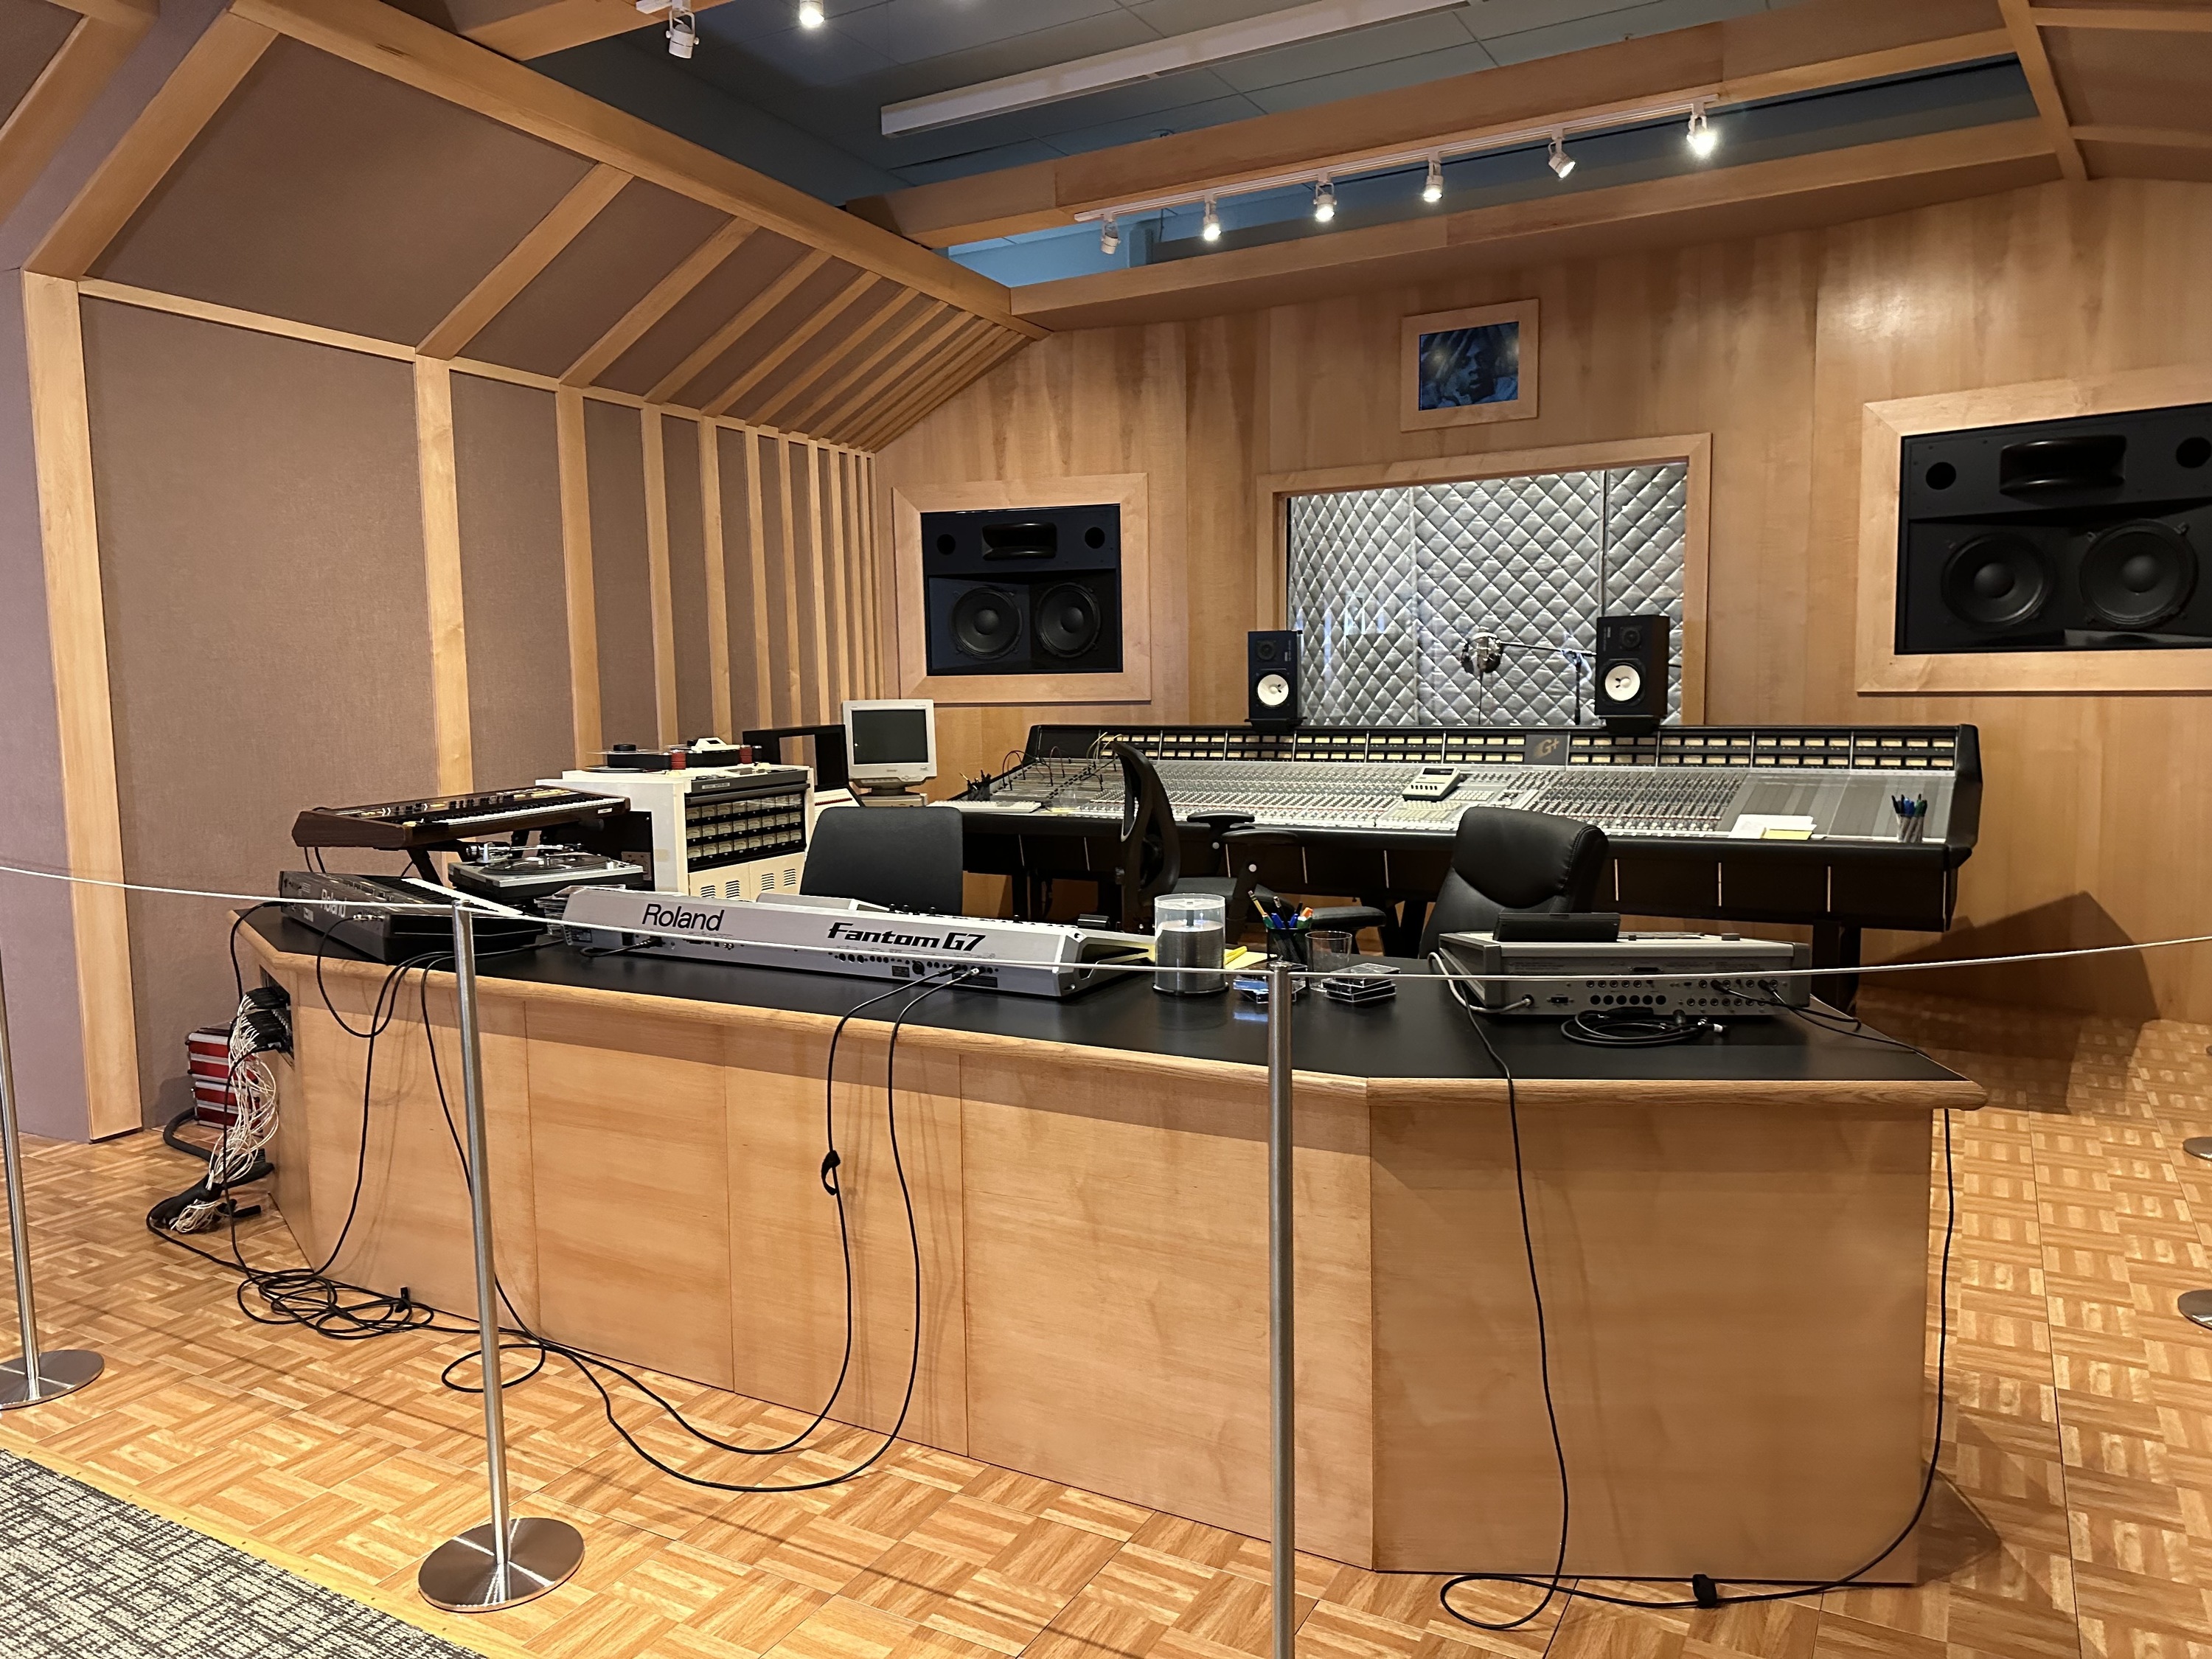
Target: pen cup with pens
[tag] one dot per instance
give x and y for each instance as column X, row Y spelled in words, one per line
column 1189, row 939
column 1912, row 815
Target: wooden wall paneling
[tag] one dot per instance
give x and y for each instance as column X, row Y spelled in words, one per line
column 715, row 549
column 813, row 565
column 195, row 89
column 661, row 299
column 900, row 313
column 777, row 354
column 2049, row 104
column 880, row 620
column 623, row 589
column 853, row 390
column 734, row 330
column 576, row 558
column 830, row 492
column 391, row 43
column 925, row 314
column 523, row 264
column 656, row 550
column 441, row 569
column 75, row 621
column 850, row 642
column 33, row 128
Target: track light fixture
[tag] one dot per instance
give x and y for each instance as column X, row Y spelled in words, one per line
column 1561, row 163
column 810, row 14
column 683, row 29
column 1324, row 199
column 1209, row 227
column 1701, row 138
column 1109, row 235
column 1433, row 191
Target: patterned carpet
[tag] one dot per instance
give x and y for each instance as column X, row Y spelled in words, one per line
column 84, row 1574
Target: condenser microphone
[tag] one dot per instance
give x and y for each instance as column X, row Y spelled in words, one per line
column 1482, row 652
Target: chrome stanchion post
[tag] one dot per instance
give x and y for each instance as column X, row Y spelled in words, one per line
column 504, row 1561
column 1282, row 1347
column 34, row 1376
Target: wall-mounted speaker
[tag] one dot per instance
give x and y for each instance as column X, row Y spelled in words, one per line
column 1631, row 669
column 1271, row 679
column 1033, row 591
column 2084, row 534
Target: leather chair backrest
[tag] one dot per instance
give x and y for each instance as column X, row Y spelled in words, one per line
column 1151, row 849
column 907, row 857
column 1508, row 860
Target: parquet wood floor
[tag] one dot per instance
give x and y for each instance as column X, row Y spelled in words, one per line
column 2074, row 1517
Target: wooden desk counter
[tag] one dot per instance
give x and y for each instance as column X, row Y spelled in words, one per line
column 1733, row 1246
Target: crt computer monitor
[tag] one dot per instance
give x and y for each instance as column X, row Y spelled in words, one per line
column 891, row 741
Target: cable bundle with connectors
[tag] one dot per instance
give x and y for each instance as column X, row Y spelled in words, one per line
column 261, row 1027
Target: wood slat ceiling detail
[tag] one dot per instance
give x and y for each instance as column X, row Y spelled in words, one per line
column 54, row 60
column 2125, row 84
column 341, row 165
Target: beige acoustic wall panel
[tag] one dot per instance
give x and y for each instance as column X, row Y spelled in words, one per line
column 31, row 32
column 687, row 578
column 514, row 591
column 268, row 630
column 328, row 194
column 743, row 576
column 622, row 574
column 770, row 330
column 722, row 293
column 637, row 240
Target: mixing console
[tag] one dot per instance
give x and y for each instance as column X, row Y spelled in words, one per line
column 1693, row 792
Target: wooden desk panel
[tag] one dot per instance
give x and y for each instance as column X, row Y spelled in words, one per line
column 1735, row 1272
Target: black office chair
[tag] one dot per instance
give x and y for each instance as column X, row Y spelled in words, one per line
column 906, row 857
column 1508, row 860
column 1150, row 860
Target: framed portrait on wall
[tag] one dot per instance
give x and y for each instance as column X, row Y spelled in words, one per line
column 1457, row 367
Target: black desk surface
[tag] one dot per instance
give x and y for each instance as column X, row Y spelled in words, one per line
column 1421, row 1033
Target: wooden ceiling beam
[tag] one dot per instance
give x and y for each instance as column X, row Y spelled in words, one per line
column 1752, row 198
column 390, row 42
column 526, row 261
column 1794, row 48
column 199, row 86
column 845, row 403
column 666, row 295
column 2158, row 19
column 734, row 330
column 1002, row 347
column 848, row 350
column 44, row 117
column 777, row 356
column 2049, row 103
column 533, row 30
column 952, row 369
column 2149, row 137
column 120, row 13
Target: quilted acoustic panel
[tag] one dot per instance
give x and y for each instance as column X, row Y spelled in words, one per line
column 1389, row 585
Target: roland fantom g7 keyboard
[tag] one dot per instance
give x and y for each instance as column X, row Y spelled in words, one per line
column 1769, row 824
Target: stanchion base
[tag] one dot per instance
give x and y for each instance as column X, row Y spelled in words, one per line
column 462, row 1576
column 2198, row 1146
column 62, row 1371
column 2196, row 1306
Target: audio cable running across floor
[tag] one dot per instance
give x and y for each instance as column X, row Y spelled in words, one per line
column 1705, row 1592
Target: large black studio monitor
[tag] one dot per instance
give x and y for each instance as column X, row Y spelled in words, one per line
column 2085, row 534
column 1631, row 668
column 1271, row 679
column 1036, row 590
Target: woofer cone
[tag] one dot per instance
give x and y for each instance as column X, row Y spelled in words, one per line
column 1068, row 620
column 987, row 623
column 1996, row 579
column 2138, row 574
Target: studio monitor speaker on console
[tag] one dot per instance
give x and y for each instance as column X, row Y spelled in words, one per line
column 1033, row 591
column 1631, row 669
column 2085, row 534
column 1271, row 679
